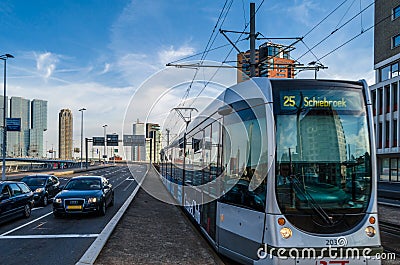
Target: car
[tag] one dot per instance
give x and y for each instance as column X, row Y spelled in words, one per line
column 16, row 199
column 84, row 194
column 45, row 187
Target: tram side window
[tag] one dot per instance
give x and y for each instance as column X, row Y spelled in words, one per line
column 189, row 161
column 197, row 158
column 207, row 155
column 245, row 158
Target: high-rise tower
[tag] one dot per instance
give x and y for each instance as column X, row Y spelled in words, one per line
column 65, row 134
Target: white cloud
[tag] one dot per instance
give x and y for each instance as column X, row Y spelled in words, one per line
column 106, row 68
column 302, row 10
column 171, row 54
column 46, row 63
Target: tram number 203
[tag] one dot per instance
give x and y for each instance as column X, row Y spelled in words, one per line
column 341, row 241
column 331, row 242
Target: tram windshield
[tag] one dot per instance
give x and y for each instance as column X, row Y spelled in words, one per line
column 323, row 165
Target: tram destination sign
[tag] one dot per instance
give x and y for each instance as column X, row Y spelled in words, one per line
column 321, row 99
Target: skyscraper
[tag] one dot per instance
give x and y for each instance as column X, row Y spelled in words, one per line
column 18, row 142
column 65, row 133
column 39, row 125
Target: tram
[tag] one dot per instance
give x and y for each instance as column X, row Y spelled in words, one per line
column 281, row 171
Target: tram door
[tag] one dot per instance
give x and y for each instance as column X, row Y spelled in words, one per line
column 211, row 170
column 241, row 209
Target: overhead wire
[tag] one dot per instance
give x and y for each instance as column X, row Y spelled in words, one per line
column 215, row 73
column 335, row 30
column 225, row 9
column 319, row 23
column 204, row 54
column 356, row 36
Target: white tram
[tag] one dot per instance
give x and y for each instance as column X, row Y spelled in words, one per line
column 282, row 171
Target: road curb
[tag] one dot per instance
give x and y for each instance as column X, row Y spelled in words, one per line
column 94, row 250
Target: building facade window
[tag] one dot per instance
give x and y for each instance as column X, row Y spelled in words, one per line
column 394, row 134
column 385, row 73
column 395, row 69
column 384, row 174
column 387, row 134
column 387, row 103
column 396, row 12
column 396, row 41
column 395, row 93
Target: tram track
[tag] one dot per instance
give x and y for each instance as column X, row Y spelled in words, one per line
column 390, row 234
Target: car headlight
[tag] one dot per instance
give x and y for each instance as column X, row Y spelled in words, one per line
column 58, row 200
column 92, row 200
column 286, row 232
column 370, row 231
column 38, row 190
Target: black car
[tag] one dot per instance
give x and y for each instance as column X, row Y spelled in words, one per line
column 84, row 194
column 15, row 199
column 45, row 187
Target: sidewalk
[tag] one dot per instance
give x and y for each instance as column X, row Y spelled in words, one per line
column 154, row 232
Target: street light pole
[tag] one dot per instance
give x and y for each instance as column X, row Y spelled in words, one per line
column 4, row 57
column 82, row 110
column 105, row 142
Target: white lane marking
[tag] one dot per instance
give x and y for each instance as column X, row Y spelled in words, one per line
column 93, row 251
column 37, row 208
column 49, row 236
column 127, row 187
column 21, row 226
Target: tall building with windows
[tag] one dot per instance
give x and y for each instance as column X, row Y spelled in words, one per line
column 18, row 142
column 272, row 60
column 139, row 149
column 385, row 93
column 65, row 134
column 38, row 127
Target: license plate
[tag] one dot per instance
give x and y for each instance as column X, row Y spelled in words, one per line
column 74, row 207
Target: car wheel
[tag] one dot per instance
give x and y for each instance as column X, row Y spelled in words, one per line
column 45, row 200
column 102, row 209
column 27, row 211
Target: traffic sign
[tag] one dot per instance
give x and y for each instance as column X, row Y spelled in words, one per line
column 134, row 140
column 13, row 124
column 98, row 141
column 112, row 139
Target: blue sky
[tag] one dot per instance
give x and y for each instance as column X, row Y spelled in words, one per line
column 97, row 53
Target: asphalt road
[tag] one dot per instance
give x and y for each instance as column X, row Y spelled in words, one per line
column 44, row 239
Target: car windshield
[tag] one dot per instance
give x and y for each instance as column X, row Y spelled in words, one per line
column 34, row 181
column 83, row 184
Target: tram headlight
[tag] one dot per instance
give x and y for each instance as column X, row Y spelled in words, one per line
column 370, row 231
column 286, row 232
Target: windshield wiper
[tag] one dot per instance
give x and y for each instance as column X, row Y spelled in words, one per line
column 322, row 213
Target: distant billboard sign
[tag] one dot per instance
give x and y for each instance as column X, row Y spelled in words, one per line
column 134, row 140
column 98, row 141
column 13, row 124
column 112, row 139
